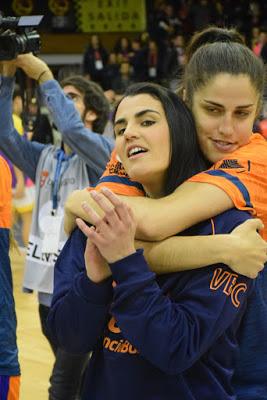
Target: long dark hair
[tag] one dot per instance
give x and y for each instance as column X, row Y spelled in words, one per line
column 186, row 158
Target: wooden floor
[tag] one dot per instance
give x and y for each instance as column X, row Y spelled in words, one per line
column 36, row 358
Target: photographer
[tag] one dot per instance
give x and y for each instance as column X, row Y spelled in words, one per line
column 79, row 110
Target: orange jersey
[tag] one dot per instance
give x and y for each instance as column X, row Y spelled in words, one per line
column 5, row 194
column 116, row 179
column 243, row 176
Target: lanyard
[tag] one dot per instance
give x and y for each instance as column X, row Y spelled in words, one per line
column 61, row 156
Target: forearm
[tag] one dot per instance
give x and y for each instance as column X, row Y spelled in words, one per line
column 190, row 204
column 73, row 208
column 181, row 253
column 161, row 218
column 85, row 306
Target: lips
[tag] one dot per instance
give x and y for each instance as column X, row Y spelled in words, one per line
column 223, row 146
column 134, row 151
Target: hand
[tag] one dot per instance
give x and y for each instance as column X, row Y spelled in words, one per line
column 74, row 209
column 96, row 266
column 250, row 250
column 113, row 234
column 34, row 67
column 8, row 68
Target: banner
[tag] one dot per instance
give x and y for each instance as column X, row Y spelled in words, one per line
column 111, row 15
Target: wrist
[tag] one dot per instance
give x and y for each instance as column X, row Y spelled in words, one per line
column 224, row 248
column 121, row 255
column 44, row 76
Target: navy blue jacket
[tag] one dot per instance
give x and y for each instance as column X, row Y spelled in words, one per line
column 153, row 337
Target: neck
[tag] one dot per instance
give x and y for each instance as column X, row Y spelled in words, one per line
column 67, row 149
column 154, row 192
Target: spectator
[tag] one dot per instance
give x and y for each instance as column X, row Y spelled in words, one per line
column 95, row 59
column 57, row 171
column 123, row 49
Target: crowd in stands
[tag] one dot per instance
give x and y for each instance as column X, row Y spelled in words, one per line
column 158, row 55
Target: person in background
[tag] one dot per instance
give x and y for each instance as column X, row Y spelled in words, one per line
column 9, row 364
column 56, row 171
column 95, row 59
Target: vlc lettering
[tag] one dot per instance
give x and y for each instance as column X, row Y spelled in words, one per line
column 228, row 281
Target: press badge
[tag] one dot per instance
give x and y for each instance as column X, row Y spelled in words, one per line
column 98, row 64
column 152, row 72
column 51, row 229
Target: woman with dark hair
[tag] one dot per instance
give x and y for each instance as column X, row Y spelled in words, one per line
column 151, row 337
column 223, row 86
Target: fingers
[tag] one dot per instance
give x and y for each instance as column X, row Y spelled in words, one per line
column 94, row 218
column 84, row 228
column 107, row 197
column 255, row 223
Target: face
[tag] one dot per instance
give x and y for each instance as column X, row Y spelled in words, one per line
column 17, row 105
column 224, row 110
column 143, row 141
column 76, row 97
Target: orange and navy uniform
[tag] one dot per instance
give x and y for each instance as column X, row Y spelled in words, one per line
column 243, row 176
column 9, row 365
column 116, row 179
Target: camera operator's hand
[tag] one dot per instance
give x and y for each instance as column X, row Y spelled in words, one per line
column 34, row 67
column 8, row 68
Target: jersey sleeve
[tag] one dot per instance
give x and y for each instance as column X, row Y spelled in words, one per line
column 186, row 324
column 74, row 297
column 5, row 194
column 116, row 179
column 243, row 176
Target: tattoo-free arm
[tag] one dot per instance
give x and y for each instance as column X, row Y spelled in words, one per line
column 160, row 218
column 243, row 250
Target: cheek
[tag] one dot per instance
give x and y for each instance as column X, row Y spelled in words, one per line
column 244, row 131
column 119, row 148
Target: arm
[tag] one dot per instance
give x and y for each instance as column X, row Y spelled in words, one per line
column 80, row 307
column 92, row 147
column 22, row 153
column 243, row 250
column 160, row 218
column 186, row 325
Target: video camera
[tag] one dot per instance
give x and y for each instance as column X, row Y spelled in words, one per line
column 17, row 36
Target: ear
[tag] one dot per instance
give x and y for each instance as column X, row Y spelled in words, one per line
column 89, row 118
column 184, row 95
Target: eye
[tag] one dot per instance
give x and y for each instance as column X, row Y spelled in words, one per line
column 119, row 131
column 213, row 110
column 73, row 96
column 147, row 122
column 242, row 114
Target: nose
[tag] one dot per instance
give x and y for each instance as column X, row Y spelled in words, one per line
column 226, row 126
column 130, row 132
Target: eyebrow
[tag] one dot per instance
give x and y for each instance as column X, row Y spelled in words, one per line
column 220, row 105
column 137, row 115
